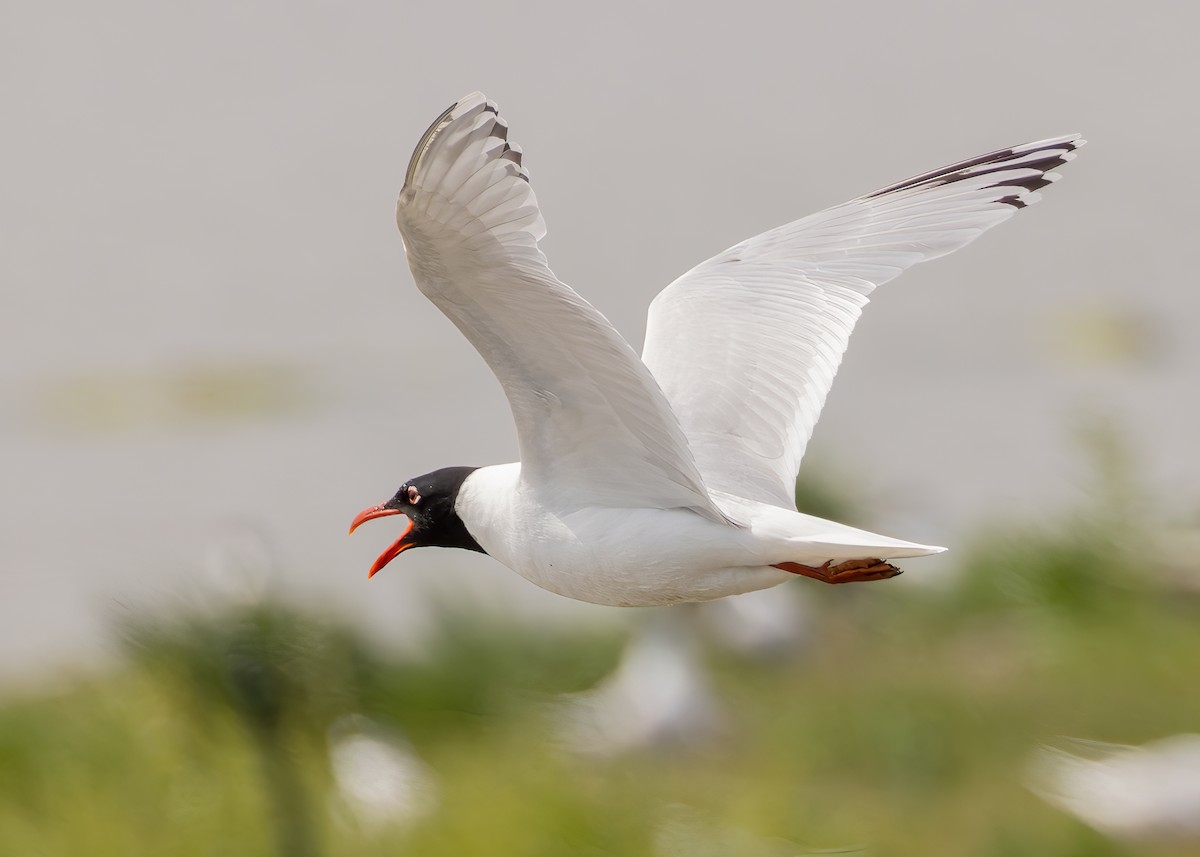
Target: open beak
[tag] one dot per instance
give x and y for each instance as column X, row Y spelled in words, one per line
column 398, row 547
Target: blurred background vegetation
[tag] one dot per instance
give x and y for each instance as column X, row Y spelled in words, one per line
column 899, row 719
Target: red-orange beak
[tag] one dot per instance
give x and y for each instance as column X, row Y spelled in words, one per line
column 398, row 547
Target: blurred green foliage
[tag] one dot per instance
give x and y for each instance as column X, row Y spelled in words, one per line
column 902, row 727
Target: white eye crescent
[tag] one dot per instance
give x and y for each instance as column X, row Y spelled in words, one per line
column 414, row 496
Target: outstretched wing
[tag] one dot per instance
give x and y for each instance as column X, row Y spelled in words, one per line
column 746, row 344
column 591, row 422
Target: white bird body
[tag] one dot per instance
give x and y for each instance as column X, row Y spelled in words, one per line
column 636, row 557
column 668, row 477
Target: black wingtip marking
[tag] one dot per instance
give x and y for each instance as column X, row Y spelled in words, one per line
column 1054, row 155
column 510, row 154
column 500, row 131
column 945, row 174
column 1030, row 184
column 1045, row 164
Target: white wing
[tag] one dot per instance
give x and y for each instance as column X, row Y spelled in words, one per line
column 746, row 344
column 591, row 421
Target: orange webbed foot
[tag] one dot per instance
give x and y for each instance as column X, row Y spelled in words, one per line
column 850, row 571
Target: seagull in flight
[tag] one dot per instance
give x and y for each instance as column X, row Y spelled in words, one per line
column 668, row 478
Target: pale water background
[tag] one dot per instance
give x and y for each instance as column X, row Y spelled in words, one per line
column 209, row 337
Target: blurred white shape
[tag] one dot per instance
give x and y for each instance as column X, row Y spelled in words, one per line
column 658, row 695
column 380, row 780
column 766, row 623
column 1150, row 792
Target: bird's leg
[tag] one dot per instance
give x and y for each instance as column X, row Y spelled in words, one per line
column 850, row 571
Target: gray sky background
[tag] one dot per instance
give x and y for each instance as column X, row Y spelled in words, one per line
column 207, row 326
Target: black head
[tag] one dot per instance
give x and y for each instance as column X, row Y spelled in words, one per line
column 428, row 503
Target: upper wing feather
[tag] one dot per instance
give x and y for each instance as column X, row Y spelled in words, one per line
column 746, row 344
column 591, row 422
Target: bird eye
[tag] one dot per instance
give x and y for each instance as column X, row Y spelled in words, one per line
column 414, row 496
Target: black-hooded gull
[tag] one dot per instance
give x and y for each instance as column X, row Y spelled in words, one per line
column 667, row 478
